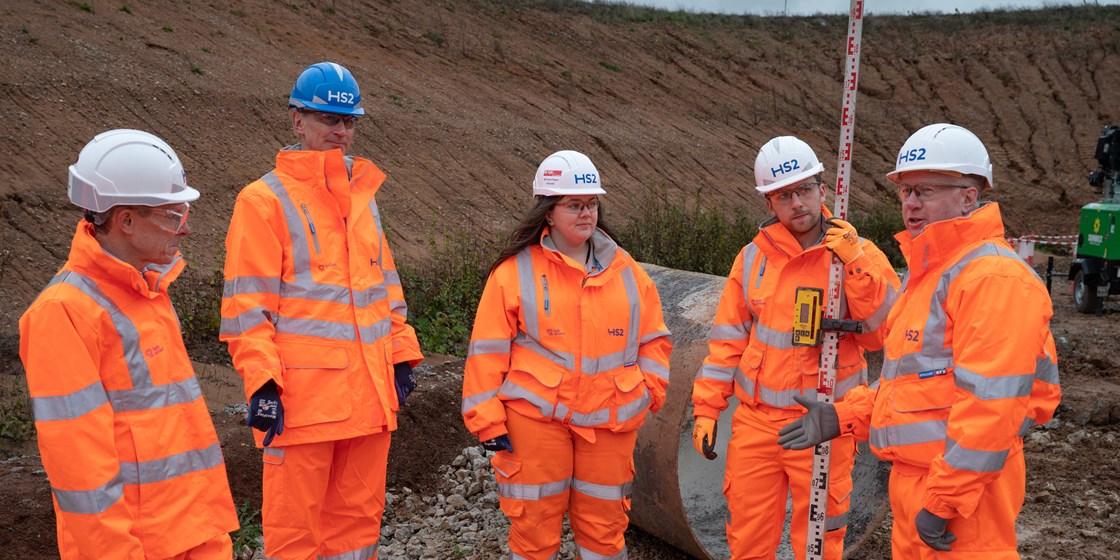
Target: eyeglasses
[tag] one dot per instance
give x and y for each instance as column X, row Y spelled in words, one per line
column 577, row 207
column 802, row 191
column 925, row 192
column 331, row 120
column 179, row 219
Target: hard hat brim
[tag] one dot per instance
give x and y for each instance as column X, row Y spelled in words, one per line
column 787, row 181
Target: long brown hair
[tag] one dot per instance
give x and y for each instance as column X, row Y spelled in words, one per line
column 529, row 230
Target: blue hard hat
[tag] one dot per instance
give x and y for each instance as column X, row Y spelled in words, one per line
column 327, row 87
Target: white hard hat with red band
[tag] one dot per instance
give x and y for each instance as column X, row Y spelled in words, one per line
column 567, row 172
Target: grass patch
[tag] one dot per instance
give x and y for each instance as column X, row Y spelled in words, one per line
column 168, row 28
column 197, row 70
column 443, row 291
column 126, row 9
column 83, row 6
column 250, row 533
column 17, row 423
column 434, row 37
column 683, row 234
column 609, row 66
column 880, row 226
column 197, row 296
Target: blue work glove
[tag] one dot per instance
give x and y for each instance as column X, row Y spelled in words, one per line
column 499, row 443
column 266, row 412
column 932, row 530
column 405, row 380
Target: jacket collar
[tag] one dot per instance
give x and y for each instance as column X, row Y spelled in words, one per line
column 88, row 257
column 311, row 166
column 940, row 241
column 604, row 250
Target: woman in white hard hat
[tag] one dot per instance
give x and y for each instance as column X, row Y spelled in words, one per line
column 569, row 351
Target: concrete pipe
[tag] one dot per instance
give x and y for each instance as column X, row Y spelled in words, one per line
column 678, row 495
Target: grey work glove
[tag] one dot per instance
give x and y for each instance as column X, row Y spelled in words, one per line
column 819, row 425
column 932, row 529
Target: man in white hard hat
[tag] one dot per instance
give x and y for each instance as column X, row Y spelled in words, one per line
column 315, row 318
column 134, row 464
column 970, row 365
column 751, row 354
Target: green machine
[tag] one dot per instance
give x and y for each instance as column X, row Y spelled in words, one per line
column 1095, row 271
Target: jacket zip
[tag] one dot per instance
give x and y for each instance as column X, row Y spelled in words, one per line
column 544, row 284
column 310, row 224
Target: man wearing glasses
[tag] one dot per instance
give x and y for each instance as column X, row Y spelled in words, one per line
column 970, row 362
column 751, row 354
column 134, row 464
column 314, row 315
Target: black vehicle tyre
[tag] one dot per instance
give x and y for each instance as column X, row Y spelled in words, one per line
column 1084, row 296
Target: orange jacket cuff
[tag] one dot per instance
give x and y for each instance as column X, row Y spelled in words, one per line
column 847, row 416
column 939, row 507
column 706, row 412
column 492, row 432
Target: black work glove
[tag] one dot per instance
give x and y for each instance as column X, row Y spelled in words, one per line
column 819, row 425
column 499, row 443
column 266, row 412
column 405, row 380
column 932, row 530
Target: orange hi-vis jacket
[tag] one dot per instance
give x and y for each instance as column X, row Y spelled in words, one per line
column 554, row 342
column 750, row 345
column 126, row 439
column 312, row 298
column 970, row 364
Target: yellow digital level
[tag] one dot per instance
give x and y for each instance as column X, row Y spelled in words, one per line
column 809, row 320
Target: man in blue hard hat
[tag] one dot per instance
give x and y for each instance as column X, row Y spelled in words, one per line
column 314, row 316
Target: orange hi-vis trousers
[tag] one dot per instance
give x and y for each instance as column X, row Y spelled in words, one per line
column 989, row 534
column 760, row 475
column 325, row 500
column 552, row 470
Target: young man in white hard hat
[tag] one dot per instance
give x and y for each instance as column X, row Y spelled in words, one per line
column 126, row 439
column 314, row 315
column 970, row 365
column 751, row 354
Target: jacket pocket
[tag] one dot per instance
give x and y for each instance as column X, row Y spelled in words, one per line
column 316, row 383
column 543, row 384
column 631, row 399
column 913, row 394
column 507, row 471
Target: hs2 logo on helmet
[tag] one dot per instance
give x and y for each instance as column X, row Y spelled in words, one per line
column 344, row 97
column 917, row 154
column 589, row 178
column 785, row 167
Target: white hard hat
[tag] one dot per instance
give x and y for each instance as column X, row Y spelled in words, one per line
column 566, row 172
column 784, row 161
column 130, row 167
column 943, row 147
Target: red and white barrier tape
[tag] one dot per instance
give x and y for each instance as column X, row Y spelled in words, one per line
column 1060, row 240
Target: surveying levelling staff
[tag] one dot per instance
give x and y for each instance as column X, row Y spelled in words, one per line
column 751, row 353
column 134, row 464
column 569, row 352
column 970, row 364
column 314, row 316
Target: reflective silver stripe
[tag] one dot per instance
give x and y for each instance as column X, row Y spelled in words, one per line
column 774, row 338
column 963, row 458
column 719, row 373
column 369, row 296
column 585, row 554
column 533, row 491
column 1028, row 425
column 251, row 285
column 515, row 556
column 307, row 289
column 158, row 396
column 650, row 365
column 749, row 254
column 392, row 278
column 730, row 332
column 1046, row 371
column 180, row 464
column 630, row 354
column 92, row 501
column 907, row 434
column 71, row 406
column 274, row 451
column 475, row 400
column 316, row 327
column 528, row 288
column 871, row 324
column 591, row 419
column 601, row 491
column 606, row 362
column 562, row 359
column 834, row 522
column 744, row 383
column 928, row 359
column 301, row 251
column 654, row 336
column 516, row 391
column 126, row 330
column 848, row 383
column 488, row 346
column 987, row 388
column 245, row 321
column 364, row 553
column 373, row 333
column 631, row 409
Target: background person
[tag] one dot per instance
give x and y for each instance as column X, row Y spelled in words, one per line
column 134, row 463
column 314, row 315
column 751, row 353
column 970, row 365
column 569, row 351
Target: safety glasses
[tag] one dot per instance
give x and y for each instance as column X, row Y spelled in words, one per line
column 331, row 120
column 170, row 221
